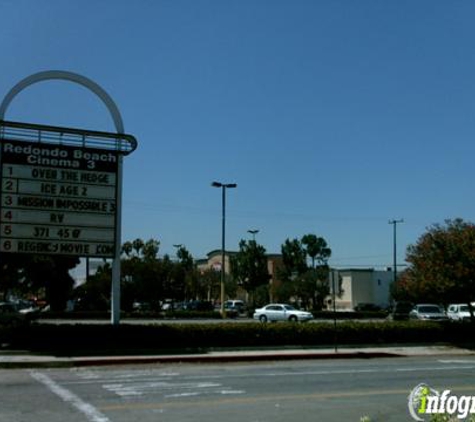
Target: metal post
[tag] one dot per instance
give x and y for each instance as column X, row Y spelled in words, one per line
column 394, row 223
column 335, row 335
column 223, row 187
column 115, row 288
column 223, row 249
column 253, row 232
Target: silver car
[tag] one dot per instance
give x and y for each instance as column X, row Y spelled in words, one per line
column 281, row 312
column 428, row 312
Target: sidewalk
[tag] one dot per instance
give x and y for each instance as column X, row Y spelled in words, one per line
column 21, row 359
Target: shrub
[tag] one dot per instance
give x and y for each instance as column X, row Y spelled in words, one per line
column 131, row 338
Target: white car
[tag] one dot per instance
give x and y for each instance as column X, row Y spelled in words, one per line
column 281, row 312
column 428, row 312
column 458, row 312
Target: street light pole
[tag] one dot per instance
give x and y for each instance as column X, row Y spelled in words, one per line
column 223, row 187
column 394, row 223
column 253, row 232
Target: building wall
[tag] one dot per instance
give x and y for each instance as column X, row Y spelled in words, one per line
column 381, row 287
column 214, row 260
column 358, row 285
column 344, row 302
column 364, row 286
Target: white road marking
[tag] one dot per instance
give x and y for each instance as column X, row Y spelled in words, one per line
column 91, row 413
column 232, row 392
column 137, row 376
column 170, row 383
column 137, row 389
column 190, row 394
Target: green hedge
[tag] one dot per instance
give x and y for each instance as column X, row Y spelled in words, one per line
column 71, row 339
column 85, row 315
column 105, row 315
column 340, row 315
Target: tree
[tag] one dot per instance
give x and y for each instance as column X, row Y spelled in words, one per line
column 294, row 258
column 25, row 275
column 184, row 276
column 208, row 285
column 249, row 267
column 12, row 278
column 143, row 275
column 317, row 249
column 184, row 258
column 441, row 265
column 148, row 279
column 137, row 246
column 150, row 249
column 94, row 294
column 309, row 283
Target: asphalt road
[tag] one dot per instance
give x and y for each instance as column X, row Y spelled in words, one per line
column 326, row 391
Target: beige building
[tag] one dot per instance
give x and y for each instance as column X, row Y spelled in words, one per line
column 358, row 285
column 214, row 259
column 363, row 286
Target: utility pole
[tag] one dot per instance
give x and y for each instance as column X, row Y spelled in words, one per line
column 223, row 187
column 394, row 223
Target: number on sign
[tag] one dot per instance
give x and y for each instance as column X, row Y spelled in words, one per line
column 8, row 185
column 69, row 233
column 41, row 232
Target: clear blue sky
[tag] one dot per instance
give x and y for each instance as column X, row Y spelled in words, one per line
column 333, row 117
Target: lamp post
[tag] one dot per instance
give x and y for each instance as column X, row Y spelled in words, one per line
column 394, row 223
column 253, row 232
column 223, row 187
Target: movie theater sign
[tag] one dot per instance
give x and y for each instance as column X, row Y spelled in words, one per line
column 58, row 199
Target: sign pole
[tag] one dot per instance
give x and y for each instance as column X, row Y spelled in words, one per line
column 115, row 287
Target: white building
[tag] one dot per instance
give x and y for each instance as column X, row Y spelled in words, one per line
column 363, row 286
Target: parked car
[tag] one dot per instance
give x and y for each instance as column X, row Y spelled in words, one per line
column 458, row 312
column 428, row 312
column 198, row 305
column 235, row 305
column 400, row 311
column 281, row 312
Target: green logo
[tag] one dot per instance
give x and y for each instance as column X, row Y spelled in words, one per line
column 424, row 400
column 418, row 400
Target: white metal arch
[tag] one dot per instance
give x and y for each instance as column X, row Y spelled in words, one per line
column 117, row 118
column 67, row 76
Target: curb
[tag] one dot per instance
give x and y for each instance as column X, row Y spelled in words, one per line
column 29, row 361
column 24, row 359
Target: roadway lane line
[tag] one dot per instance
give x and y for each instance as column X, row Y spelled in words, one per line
column 275, row 398
column 91, row 413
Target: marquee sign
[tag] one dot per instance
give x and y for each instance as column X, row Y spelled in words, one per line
column 58, row 199
column 61, row 188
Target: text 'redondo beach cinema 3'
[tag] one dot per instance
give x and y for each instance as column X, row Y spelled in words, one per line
column 61, row 187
